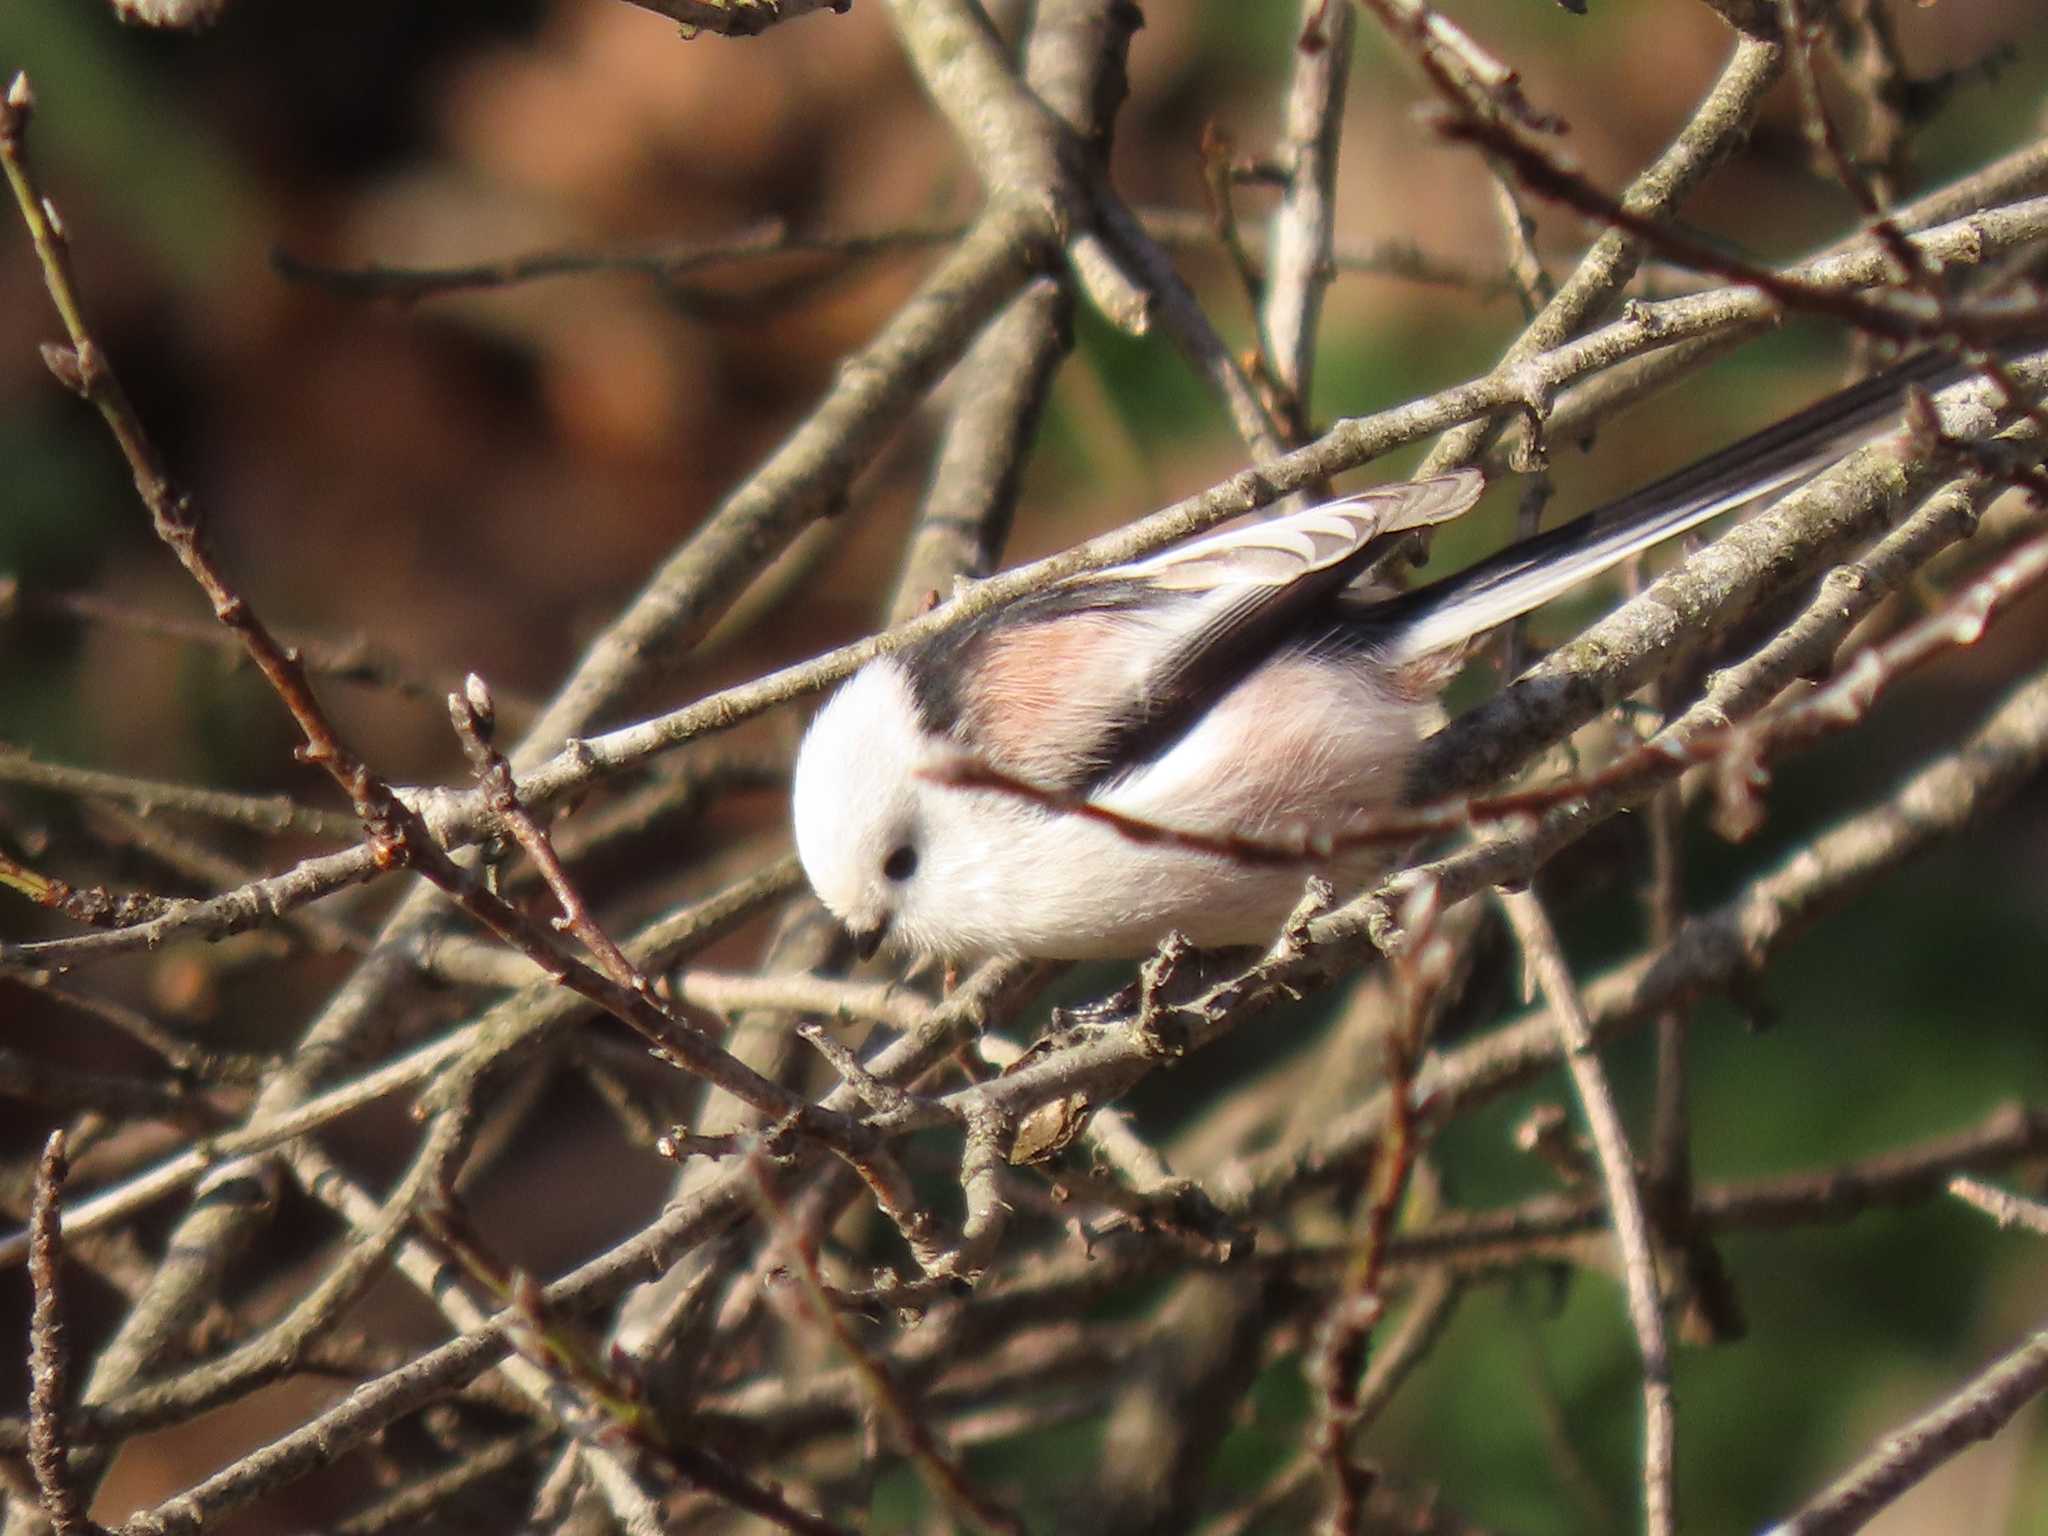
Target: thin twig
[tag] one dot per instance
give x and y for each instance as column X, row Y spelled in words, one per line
column 404, row 1508
column 265, row 813
column 492, row 1038
column 349, row 660
column 1906, row 1457
column 396, row 833
column 1175, row 228
column 474, row 715
column 1304, row 225
column 1892, row 315
column 942, row 1473
column 1624, row 1201
column 2001, row 1205
column 49, row 1354
column 1422, row 967
column 1711, row 132
column 606, row 1410
column 739, row 18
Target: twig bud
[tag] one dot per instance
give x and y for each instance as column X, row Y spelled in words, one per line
column 478, row 692
column 1923, row 421
column 188, row 15
column 63, row 362
column 55, row 1167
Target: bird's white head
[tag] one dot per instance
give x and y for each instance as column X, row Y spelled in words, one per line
column 876, row 838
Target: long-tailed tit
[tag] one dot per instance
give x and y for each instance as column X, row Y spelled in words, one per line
column 1237, row 686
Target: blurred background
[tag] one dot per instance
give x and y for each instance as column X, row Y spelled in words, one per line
column 478, row 480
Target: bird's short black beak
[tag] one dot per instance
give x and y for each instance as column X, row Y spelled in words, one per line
column 867, row 937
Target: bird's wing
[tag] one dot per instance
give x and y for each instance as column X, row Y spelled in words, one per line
column 1279, row 556
column 1103, row 672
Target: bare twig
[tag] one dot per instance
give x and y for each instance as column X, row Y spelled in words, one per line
column 738, row 18
column 1422, row 967
column 1711, row 133
column 2001, row 1205
column 942, row 1472
column 1892, row 315
column 474, row 716
column 663, row 264
column 1304, row 225
column 1177, row 229
column 1905, row 1176
column 493, row 1038
column 49, row 1354
column 350, row 660
column 266, row 813
column 605, row 1410
column 397, row 835
column 93, row 905
column 1976, row 1412
column 1624, row 1201
column 404, row 1508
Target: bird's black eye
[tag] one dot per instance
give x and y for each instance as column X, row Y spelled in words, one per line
column 901, row 863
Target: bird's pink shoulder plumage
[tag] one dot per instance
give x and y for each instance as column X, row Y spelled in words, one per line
column 1039, row 691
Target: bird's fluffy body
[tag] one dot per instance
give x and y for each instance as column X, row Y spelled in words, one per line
column 999, row 874
column 1204, row 691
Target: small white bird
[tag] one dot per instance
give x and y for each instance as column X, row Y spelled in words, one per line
column 1238, row 686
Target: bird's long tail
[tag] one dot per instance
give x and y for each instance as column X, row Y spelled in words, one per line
column 1443, row 614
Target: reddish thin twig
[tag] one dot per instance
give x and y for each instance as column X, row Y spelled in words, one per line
column 1421, row 967
column 93, row 905
column 1980, row 325
column 398, row 836
column 1916, row 273
column 473, row 713
column 49, row 1356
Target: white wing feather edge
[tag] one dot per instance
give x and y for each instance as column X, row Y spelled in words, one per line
column 1284, row 549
